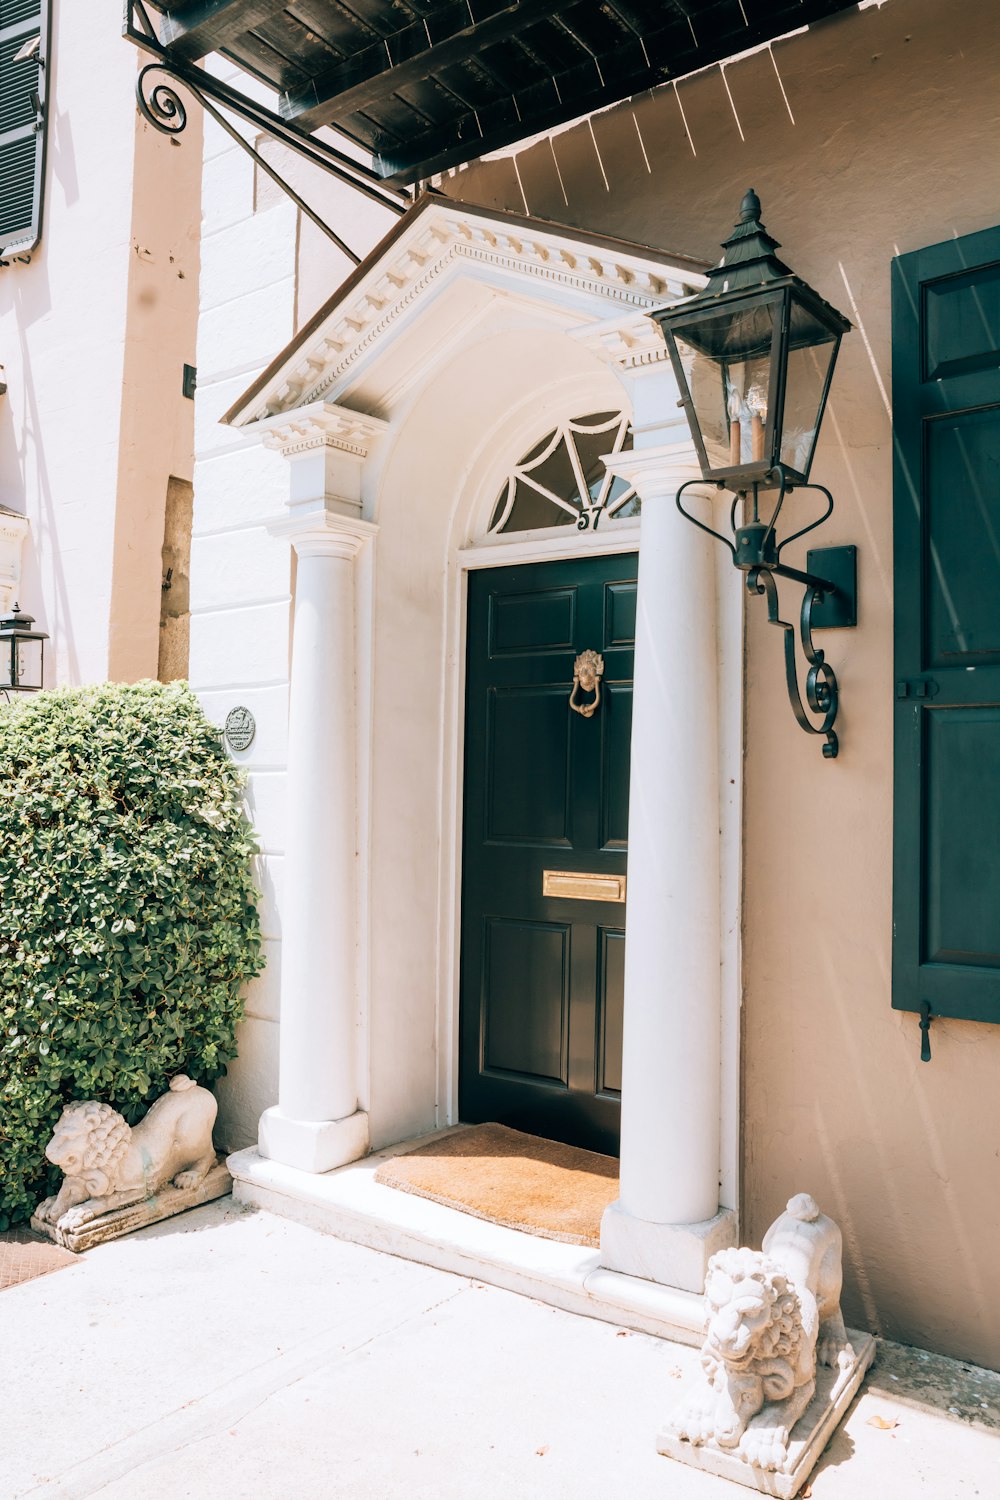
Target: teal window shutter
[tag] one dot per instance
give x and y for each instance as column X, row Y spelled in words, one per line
column 23, row 62
column 946, row 804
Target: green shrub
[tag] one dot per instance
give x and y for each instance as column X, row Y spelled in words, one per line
column 128, row 922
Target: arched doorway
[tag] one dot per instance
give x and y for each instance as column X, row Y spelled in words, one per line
column 545, row 792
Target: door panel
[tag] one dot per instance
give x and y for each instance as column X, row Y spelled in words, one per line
column 963, row 452
column 619, row 614
column 616, row 744
column 545, row 789
column 962, row 797
column 525, row 999
column 529, row 798
column 946, row 413
column 611, row 999
column 532, row 623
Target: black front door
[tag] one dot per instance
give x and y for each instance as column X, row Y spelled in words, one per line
column 546, row 802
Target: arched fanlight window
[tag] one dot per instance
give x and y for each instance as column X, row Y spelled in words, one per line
column 562, row 480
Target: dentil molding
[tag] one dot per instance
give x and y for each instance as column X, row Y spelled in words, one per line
column 627, row 283
column 632, row 344
column 321, row 424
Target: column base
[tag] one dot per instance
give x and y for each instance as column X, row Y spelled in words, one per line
column 673, row 1254
column 312, row 1145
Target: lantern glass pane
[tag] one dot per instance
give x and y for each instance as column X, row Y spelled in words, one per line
column 29, row 664
column 727, row 363
column 808, row 368
column 8, row 663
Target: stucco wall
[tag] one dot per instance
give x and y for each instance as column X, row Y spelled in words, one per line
column 93, row 334
column 873, row 133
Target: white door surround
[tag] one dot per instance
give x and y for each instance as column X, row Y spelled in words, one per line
column 401, row 408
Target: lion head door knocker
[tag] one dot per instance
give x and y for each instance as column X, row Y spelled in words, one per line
column 588, row 669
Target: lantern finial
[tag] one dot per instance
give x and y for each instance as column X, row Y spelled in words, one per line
column 748, row 254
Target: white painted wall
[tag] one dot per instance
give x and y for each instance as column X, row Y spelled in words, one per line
column 257, row 286
column 240, row 576
column 93, row 335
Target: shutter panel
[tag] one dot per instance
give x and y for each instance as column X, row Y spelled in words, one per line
column 22, row 124
column 946, row 415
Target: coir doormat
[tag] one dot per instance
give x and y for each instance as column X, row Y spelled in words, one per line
column 520, row 1181
column 23, row 1256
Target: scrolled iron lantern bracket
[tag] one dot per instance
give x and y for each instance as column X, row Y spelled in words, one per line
column 829, row 600
column 753, row 353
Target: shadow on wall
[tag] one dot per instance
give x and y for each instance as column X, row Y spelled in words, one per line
column 32, row 303
column 857, row 134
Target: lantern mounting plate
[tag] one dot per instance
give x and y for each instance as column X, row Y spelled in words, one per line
column 839, row 566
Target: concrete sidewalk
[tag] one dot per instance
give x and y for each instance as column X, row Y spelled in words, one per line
column 238, row 1354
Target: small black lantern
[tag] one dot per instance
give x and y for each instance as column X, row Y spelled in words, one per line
column 22, row 654
column 753, row 353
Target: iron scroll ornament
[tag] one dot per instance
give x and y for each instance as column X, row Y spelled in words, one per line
column 205, row 87
column 822, row 693
column 162, row 106
column 756, row 552
column 160, row 103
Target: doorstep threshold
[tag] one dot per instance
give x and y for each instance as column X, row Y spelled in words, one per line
column 351, row 1205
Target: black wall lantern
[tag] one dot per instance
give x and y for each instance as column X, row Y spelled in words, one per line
column 754, row 353
column 22, row 654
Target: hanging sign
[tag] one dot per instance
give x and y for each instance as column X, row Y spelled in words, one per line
column 241, row 727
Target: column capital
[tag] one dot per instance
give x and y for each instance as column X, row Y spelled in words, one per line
column 321, row 424
column 326, row 447
column 322, row 530
column 656, row 472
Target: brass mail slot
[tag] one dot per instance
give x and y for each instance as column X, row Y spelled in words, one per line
column 571, row 884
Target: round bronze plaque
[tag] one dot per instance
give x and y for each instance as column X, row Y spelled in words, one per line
column 241, row 727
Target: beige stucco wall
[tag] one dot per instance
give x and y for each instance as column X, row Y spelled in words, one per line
column 874, row 133
column 93, row 335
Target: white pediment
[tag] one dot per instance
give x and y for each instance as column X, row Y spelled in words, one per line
column 449, row 272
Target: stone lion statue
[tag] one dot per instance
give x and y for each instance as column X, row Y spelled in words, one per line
column 110, row 1164
column 768, row 1315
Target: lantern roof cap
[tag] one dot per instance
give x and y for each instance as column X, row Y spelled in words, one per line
column 748, row 258
column 16, row 622
column 748, row 265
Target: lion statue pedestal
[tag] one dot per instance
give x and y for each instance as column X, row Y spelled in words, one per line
column 779, row 1369
column 119, row 1177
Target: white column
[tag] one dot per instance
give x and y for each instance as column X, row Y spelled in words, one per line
column 317, row 1124
column 667, row 1221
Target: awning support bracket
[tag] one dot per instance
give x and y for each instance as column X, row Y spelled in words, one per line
column 160, row 104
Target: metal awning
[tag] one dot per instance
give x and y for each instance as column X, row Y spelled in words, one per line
column 424, row 85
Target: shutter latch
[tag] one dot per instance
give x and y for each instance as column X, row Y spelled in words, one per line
column 925, row 1029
